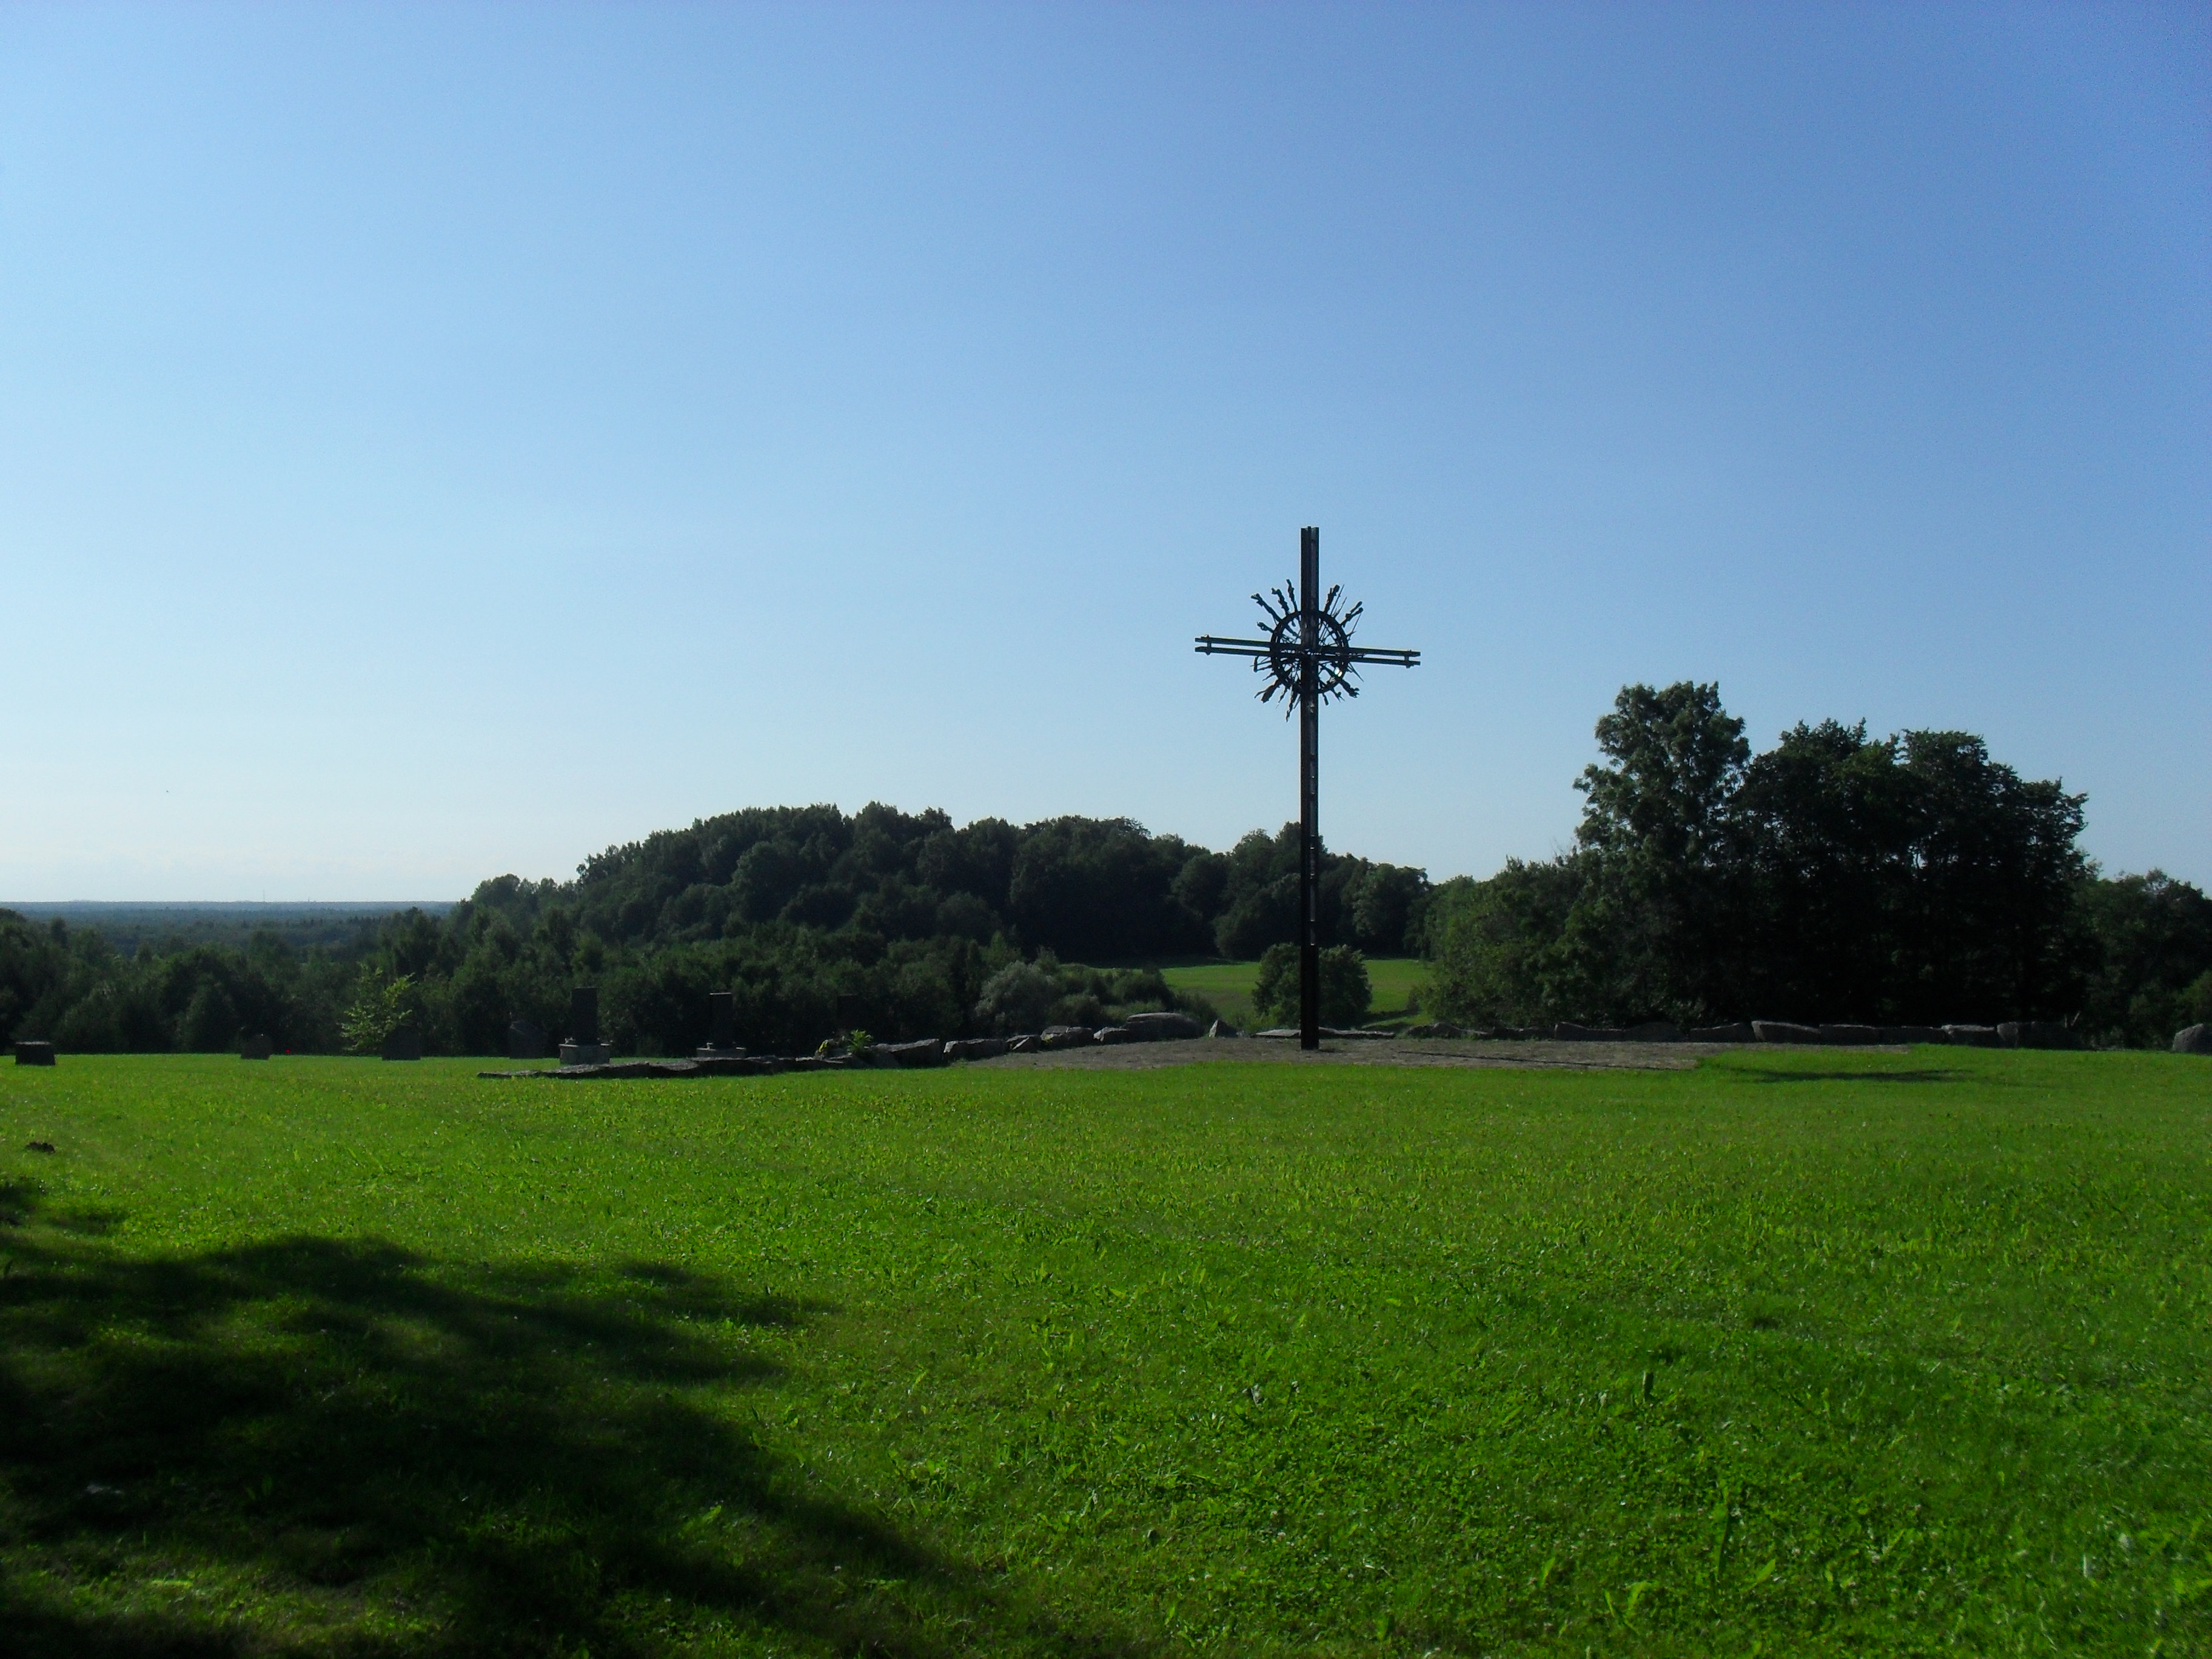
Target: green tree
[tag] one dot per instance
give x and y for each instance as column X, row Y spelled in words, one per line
column 1346, row 994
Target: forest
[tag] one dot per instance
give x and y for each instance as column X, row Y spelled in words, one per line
column 1905, row 879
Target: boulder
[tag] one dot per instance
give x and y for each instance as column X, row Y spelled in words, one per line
column 1279, row 1032
column 1440, row 1028
column 975, row 1048
column 1782, row 1030
column 1222, row 1027
column 1028, row 1044
column 34, row 1053
column 2191, row 1039
column 1851, row 1036
column 1357, row 1033
column 405, row 1043
column 923, row 1051
column 1066, row 1036
column 1168, row 1025
column 2036, row 1034
column 1738, row 1032
column 1115, row 1033
column 1655, row 1031
column 1567, row 1031
column 256, row 1047
column 1913, row 1033
column 1972, row 1036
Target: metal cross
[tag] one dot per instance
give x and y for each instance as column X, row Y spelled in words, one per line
column 1308, row 655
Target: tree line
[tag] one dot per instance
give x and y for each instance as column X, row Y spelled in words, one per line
column 816, row 919
column 1899, row 880
column 1908, row 879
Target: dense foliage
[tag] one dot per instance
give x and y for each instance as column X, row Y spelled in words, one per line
column 1346, row 994
column 818, row 921
column 1908, row 879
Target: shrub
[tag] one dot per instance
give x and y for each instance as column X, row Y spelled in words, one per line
column 1345, row 991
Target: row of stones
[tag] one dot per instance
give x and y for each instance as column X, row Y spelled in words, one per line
column 2011, row 1034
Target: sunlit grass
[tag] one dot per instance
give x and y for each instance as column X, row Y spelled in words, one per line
column 1831, row 1352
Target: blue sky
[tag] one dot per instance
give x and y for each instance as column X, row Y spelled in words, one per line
column 437, row 441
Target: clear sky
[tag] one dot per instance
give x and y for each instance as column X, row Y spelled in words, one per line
column 437, row 441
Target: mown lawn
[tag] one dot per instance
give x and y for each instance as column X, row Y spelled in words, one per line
column 1228, row 985
column 1806, row 1352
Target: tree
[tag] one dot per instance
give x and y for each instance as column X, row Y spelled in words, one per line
column 1346, row 994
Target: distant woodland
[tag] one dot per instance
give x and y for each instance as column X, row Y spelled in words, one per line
column 1904, row 879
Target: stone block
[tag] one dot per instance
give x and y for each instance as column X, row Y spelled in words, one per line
column 34, row 1053
column 1567, row 1031
column 1111, row 1033
column 976, row 1048
column 1166, row 1026
column 924, row 1051
column 1783, row 1031
column 1655, row 1031
column 2036, row 1034
column 1851, row 1036
column 586, row 1054
column 525, row 1040
column 1738, row 1032
column 1913, row 1033
column 2190, row 1040
column 1973, row 1037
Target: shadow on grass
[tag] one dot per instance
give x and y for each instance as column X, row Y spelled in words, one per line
column 1768, row 1074
column 324, row 1446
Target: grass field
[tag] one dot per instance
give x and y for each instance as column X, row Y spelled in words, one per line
column 1799, row 1353
column 1228, row 985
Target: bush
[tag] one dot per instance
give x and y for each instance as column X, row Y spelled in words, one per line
column 1019, row 997
column 1346, row 994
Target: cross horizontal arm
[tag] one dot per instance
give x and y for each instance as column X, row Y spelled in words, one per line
column 1400, row 658
column 1210, row 646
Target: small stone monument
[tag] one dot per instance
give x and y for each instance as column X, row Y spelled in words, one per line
column 583, row 1047
column 525, row 1040
column 256, row 1047
column 722, row 1035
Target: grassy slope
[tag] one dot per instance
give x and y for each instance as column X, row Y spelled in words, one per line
column 1839, row 1353
column 1228, row 985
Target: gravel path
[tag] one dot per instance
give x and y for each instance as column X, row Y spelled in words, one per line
column 1394, row 1051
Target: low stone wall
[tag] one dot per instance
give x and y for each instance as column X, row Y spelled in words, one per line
column 2012, row 1034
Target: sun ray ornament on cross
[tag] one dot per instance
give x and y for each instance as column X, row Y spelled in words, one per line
column 1309, row 657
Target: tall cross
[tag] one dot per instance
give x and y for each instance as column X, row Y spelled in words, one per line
column 1308, row 655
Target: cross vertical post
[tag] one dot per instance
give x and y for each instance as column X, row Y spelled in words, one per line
column 1310, row 793
column 1308, row 658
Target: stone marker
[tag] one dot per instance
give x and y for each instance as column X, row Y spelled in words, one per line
column 583, row 1047
column 405, row 1043
column 2190, row 1039
column 34, row 1053
column 722, row 1025
column 1783, row 1031
column 525, row 1040
column 257, row 1048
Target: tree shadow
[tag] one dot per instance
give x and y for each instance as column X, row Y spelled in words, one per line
column 1933, row 1074
column 315, row 1445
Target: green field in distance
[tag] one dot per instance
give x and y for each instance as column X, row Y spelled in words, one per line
column 1806, row 1351
column 1228, row 985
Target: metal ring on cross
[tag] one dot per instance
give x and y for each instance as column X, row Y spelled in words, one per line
column 1331, row 653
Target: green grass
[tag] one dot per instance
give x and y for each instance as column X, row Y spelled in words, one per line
column 1806, row 1352
column 1228, row 985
